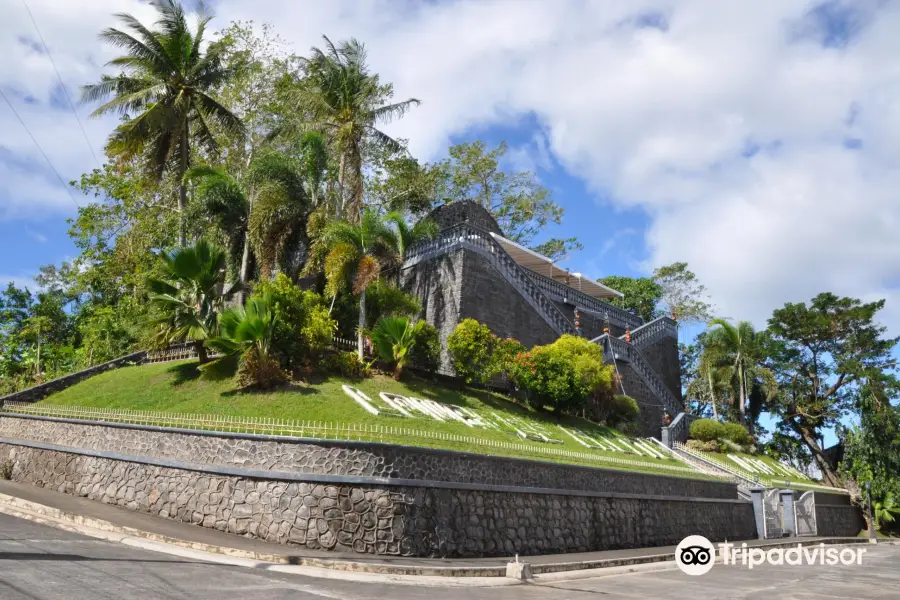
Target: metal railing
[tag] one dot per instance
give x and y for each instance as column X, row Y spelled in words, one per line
column 649, row 333
column 624, row 351
column 288, row 428
column 562, row 292
column 481, row 242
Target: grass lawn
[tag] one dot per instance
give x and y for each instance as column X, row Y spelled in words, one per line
column 780, row 479
column 179, row 387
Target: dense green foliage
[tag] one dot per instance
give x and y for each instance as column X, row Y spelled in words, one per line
column 706, row 430
column 471, row 346
column 394, row 339
column 426, row 352
column 624, row 412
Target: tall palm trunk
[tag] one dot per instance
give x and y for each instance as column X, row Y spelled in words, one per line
column 182, row 189
column 245, row 255
column 342, row 172
column 742, row 409
column 362, row 324
column 712, row 394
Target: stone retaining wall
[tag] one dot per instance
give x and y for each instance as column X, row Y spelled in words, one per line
column 344, row 458
column 408, row 520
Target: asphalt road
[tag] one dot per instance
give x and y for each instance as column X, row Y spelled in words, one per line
column 42, row 563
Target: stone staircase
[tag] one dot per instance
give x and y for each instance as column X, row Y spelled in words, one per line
column 539, row 292
column 695, row 459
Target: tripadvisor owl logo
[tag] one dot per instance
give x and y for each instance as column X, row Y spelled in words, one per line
column 695, row 555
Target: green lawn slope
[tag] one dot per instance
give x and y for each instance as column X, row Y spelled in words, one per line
column 180, row 388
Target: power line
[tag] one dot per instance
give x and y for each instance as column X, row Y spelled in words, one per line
column 62, row 85
column 24, row 126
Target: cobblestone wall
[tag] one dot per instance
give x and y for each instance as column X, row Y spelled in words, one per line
column 663, row 357
column 349, row 459
column 409, row 521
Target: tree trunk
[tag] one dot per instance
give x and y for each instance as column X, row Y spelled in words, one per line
column 829, row 474
column 182, row 190
column 362, row 324
column 712, row 395
column 742, row 409
column 245, row 255
column 342, row 171
column 202, row 356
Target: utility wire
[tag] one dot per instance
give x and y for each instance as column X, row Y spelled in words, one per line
column 24, row 126
column 62, row 85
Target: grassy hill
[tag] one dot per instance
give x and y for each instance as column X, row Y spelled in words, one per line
column 179, row 388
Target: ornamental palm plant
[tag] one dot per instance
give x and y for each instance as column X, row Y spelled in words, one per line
column 394, row 338
column 164, row 93
column 190, row 296
column 352, row 258
column 404, row 236
column 248, row 331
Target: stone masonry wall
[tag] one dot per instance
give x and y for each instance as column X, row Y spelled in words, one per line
column 663, row 357
column 321, row 457
column 408, row 521
column 491, row 300
column 651, row 408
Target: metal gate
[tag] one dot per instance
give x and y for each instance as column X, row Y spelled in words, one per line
column 772, row 514
column 805, row 514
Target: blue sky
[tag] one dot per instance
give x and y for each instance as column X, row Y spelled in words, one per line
column 759, row 142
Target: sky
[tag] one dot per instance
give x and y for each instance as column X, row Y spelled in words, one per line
column 757, row 140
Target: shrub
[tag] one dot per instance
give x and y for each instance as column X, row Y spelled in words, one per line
column 736, row 433
column 505, row 351
column 545, row 377
column 471, row 346
column 347, row 364
column 426, row 353
column 624, row 410
column 303, row 328
column 706, row 430
column 259, row 370
column 709, row 446
column 394, row 339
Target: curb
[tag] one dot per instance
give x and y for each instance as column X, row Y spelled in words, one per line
column 338, row 568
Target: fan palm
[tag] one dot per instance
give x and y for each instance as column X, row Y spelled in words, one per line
column 394, row 338
column 190, row 296
column 163, row 93
column 886, row 510
column 353, row 258
column 249, row 330
column 347, row 103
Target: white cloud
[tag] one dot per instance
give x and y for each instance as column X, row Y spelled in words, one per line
column 657, row 117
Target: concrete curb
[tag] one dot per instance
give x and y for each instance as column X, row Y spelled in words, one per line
column 348, row 569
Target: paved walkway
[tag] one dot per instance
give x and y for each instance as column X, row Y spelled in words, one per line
column 43, row 563
column 234, row 545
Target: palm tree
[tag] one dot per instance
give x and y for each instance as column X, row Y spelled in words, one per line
column 249, row 330
column 313, row 164
column 347, row 103
column 190, row 296
column 737, row 347
column 266, row 211
column 405, row 236
column 353, row 258
column 163, row 93
column 394, row 338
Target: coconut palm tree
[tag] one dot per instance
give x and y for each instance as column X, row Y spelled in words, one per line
column 164, row 93
column 190, row 296
column 346, row 102
column 738, row 348
column 353, row 258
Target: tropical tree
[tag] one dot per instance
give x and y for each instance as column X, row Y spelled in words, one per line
column 164, row 94
column 249, row 331
column 394, row 339
column 738, row 349
column 190, row 296
column 345, row 101
column 355, row 252
column 404, row 236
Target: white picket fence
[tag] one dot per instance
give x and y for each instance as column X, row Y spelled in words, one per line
column 333, row 431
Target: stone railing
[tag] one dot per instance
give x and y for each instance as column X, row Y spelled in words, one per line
column 564, row 293
column 622, row 350
column 181, row 351
column 678, row 430
column 481, row 242
column 655, row 330
column 745, row 482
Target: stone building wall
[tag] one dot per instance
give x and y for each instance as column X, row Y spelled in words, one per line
column 343, row 458
column 663, row 357
column 839, row 520
column 402, row 520
column 651, row 408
